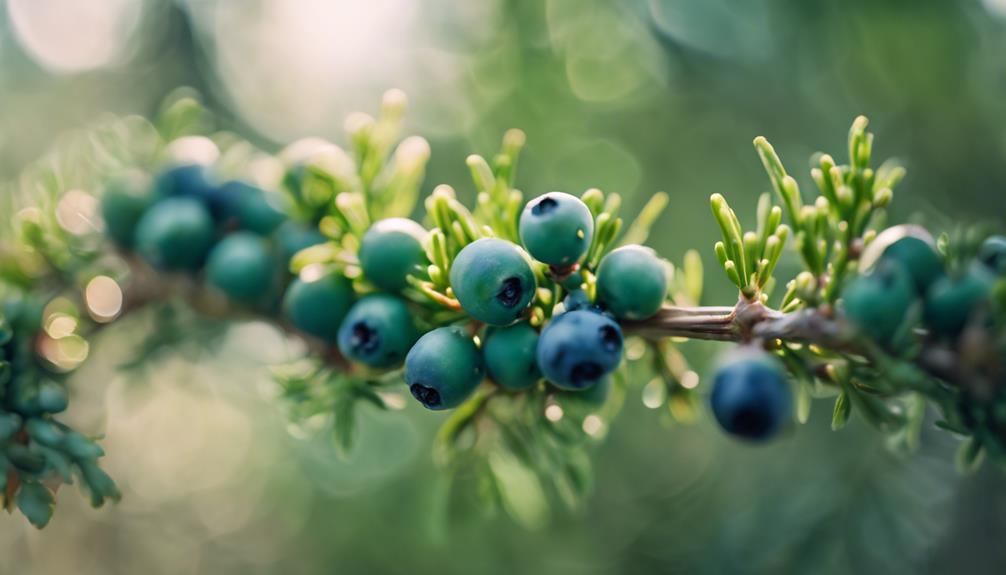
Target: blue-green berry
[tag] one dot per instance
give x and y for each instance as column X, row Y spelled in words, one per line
column 751, row 398
column 579, row 299
column 318, row 306
column 257, row 210
column 919, row 259
column 391, row 250
column 952, row 302
column 556, row 228
column 578, row 348
column 293, row 237
column 443, row 368
column 511, row 356
column 175, row 234
column 52, row 397
column 493, row 281
column 243, row 266
column 992, row 254
column 878, row 303
column 632, row 282
column 125, row 199
column 194, row 181
column 378, row 331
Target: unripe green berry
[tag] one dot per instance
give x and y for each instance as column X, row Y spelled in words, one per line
column 951, row 302
column 390, row 250
column 510, row 356
column 175, row 234
column 632, row 282
column 295, row 236
column 992, row 254
column 378, row 331
column 556, row 228
column 258, row 211
column 878, row 303
column 919, row 259
column 123, row 203
column 52, row 397
column 493, row 281
column 443, row 368
column 319, row 306
column 243, row 267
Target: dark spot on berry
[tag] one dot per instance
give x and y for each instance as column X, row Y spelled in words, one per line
column 750, row 422
column 545, row 206
column 426, row 395
column 560, row 353
column 584, row 373
column 611, row 340
column 510, row 292
column 365, row 339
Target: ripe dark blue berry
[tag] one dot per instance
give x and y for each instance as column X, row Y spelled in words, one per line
column 751, row 398
column 511, row 356
column 391, row 250
column 243, row 266
column 878, row 303
column 992, row 254
column 632, row 282
column 556, row 228
column 578, row 348
column 579, row 299
column 952, row 302
column 378, row 331
column 443, row 368
column 194, row 181
column 175, row 234
column 319, row 306
column 125, row 199
column 493, row 281
column 919, row 259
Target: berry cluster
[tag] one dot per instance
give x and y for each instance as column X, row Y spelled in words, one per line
column 34, row 445
column 516, row 314
column 184, row 220
column 239, row 238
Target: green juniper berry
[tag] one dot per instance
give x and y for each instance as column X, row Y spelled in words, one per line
column 443, row 368
column 493, row 281
column 318, row 305
column 377, row 331
column 175, row 234
column 556, row 228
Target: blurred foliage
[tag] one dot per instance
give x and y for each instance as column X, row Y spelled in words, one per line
column 629, row 97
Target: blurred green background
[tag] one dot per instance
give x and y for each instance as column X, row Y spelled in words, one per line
column 632, row 97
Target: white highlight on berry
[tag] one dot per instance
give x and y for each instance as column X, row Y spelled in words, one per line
column 312, row 273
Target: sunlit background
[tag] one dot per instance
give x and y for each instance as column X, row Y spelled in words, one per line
column 632, row 97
